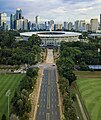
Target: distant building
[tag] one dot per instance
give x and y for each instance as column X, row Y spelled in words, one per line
column 65, row 25
column 52, row 27
column 41, row 26
column 37, row 22
column 51, row 24
column 100, row 21
column 12, row 22
column 19, row 24
column 57, row 26
column 33, row 26
column 3, row 19
column 18, row 14
column 29, row 25
column 46, row 26
column 70, row 26
column 77, row 23
column 82, row 26
column 25, row 24
column 94, row 25
column 88, row 27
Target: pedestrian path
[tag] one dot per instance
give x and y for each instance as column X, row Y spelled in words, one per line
column 50, row 58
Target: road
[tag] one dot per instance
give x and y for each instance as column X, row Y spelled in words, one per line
column 48, row 104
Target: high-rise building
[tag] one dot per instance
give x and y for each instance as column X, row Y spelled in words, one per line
column 58, row 27
column 82, row 26
column 19, row 24
column 88, row 27
column 29, row 25
column 65, row 25
column 41, row 26
column 52, row 27
column 25, row 24
column 33, row 27
column 12, row 22
column 70, row 26
column 18, row 14
column 77, row 23
column 37, row 22
column 3, row 19
column 100, row 21
column 94, row 25
column 51, row 24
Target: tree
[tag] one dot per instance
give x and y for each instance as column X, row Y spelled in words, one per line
column 70, row 76
column 34, row 40
column 85, row 34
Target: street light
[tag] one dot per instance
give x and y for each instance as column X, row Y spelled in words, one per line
column 8, row 94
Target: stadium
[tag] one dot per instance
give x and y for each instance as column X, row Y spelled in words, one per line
column 53, row 38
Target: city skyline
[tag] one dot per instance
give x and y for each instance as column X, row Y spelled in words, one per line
column 58, row 10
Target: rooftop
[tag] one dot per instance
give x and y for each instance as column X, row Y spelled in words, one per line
column 51, row 34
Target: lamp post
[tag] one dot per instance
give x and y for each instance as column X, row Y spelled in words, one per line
column 8, row 94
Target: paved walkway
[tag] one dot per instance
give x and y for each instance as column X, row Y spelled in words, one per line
column 50, row 58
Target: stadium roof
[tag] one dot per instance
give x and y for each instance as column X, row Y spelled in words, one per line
column 51, row 34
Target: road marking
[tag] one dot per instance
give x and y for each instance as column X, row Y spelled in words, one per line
column 47, row 116
column 43, row 113
column 48, row 92
column 48, row 98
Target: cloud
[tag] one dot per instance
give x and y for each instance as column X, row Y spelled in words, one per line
column 58, row 10
column 84, row 9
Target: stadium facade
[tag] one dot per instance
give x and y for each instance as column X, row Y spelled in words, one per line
column 53, row 38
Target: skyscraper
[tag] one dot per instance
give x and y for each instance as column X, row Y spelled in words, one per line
column 12, row 22
column 25, row 24
column 77, row 23
column 65, row 25
column 20, row 24
column 3, row 17
column 37, row 22
column 94, row 25
column 100, row 21
column 70, row 26
column 29, row 25
column 18, row 14
column 57, row 26
column 82, row 26
column 51, row 24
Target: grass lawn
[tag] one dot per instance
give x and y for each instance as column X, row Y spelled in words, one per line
column 7, row 82
column 89, row 84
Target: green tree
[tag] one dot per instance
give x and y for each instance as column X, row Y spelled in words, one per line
column 34, row 40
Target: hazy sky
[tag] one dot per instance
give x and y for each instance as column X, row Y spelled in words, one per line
column 58, row 10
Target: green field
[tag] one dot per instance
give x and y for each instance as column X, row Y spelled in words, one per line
column 89, row 84
column 7, row 82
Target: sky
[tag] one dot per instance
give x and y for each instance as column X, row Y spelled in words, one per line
column 58, row 10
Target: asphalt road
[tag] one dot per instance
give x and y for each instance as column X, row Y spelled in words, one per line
column 48, row 108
